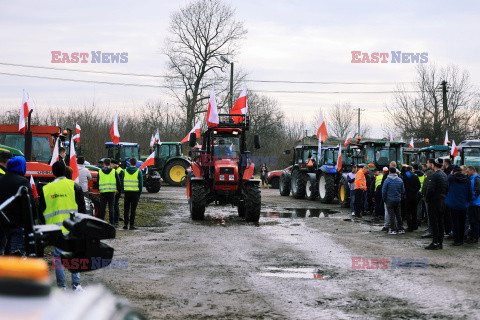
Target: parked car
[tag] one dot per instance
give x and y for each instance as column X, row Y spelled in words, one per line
column 274, row 177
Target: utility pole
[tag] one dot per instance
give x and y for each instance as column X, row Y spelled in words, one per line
column 445, row 107
column 231, row 85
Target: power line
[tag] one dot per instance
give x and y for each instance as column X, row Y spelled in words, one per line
column 160, row 76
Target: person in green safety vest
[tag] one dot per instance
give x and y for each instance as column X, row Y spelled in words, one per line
column 108, row 185
column 116, row 204
column 61, row 197
column 4, row 157
column 132, row 187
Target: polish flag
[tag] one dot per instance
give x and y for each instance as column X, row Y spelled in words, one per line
column 240, row 106
column 76, row 137
column 34, row 188
column 56, row 122
column 114, row 131
column 212, row 112
column 24, row 111
column 347, row 142
column 195, row 129
column 445, row 143
column 55, row 153
column 157, row 138
column 339, row 160
column 73, row 161
column 152, row 141
column 454, row 151
column 149, row 162
column 391, row 137
column 411, row 144
column 322, row 133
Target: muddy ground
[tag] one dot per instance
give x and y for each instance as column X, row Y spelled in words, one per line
column 295, row 264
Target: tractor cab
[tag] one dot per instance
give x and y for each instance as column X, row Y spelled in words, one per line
column 433, row 152
column 122, row 151
column 381, row 153
column 410, row 155
column 469, row 153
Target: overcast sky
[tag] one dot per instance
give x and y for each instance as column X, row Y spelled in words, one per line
column 286, row 40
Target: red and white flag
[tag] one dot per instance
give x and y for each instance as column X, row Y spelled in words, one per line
column 152, row 141
column 157, row 138
column 391, row 137
column 445, row 142
column 240, row 106
column 322, row 133
column 411, row 144
column 212, row 112
column 34, row 188
column 195, row 129
column 114, row 131
column 76, row 137
column 55, row 153
column 339, row 159
column 24, row 111
column 149, row 162
column 347, row 142
column 454, row 151
column 73, row 161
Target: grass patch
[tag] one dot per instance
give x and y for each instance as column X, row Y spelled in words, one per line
column 149, row 212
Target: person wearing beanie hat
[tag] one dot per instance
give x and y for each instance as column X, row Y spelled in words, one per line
column 9, row 185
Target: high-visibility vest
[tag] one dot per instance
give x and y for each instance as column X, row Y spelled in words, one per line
column 60, row 201
column 378, row 181
column 422, row 178
column 107, row 182
column 130, row 181
column 360, row 182
column 119, row 169
column 2, row 172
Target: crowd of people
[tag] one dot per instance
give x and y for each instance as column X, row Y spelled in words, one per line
column 57, row 199
column 445, row 196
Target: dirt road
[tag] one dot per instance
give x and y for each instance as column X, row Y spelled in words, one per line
column 295, row 264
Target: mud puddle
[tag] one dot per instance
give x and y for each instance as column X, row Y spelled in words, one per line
column 299, row 213
column 297, row 273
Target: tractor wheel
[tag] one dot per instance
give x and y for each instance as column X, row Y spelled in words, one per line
column 343, row 193
column 174, row 172
column 326, row 188
column 197, row 201
column 275, row 182
column 253, row 203
column 311, row 190
column 284, row 186
column 241, row 209
column 154, row 186
column 299, row 181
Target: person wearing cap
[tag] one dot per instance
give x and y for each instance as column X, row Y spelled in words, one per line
column 60, row 198
column 5, row 156
column 435, row 197
column 116, row 204
column 108, row 185
column 360, row 189
column 13, row 229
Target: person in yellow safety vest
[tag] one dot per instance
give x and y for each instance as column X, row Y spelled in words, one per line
column 108, row 185
column 116, row 205
column 132, row 187
column 61, row 197
column 4, row 157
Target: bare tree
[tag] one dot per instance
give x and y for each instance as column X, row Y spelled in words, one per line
column 425, row 114
column 200, row 33
column 341, row 119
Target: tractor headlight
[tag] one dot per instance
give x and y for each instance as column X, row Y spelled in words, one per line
column 231, row 177
column 222, row 177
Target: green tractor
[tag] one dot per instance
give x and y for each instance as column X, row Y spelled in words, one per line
column 123, row 151
column 13, row 151
column 433, row 152
column 410, row 155
column 469, row 154
column 171, row 163
column 296, row 178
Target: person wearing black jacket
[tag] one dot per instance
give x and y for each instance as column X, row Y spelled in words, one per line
column 5, row 156
column 108, row 197
column 435, row 198
column 412, row 188
column 9, row 185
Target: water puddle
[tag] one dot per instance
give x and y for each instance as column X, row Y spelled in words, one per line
column 297, row 273
column 294, row 213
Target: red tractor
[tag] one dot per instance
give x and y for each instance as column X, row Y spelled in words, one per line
column 221, row 171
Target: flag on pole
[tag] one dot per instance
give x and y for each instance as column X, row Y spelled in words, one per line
column 152, row 141
column 73, row 161
column 55, row 153
column 240, row 106
column 195, row 129
column 454, row 151
column 34, row 188
column 339, row 159
column 76, row 137
column 322, row 133
column 114, row 131
column 56, row 122
column 445, row 143
column 411, row 143
column 157, row 138
column 391, row 137
column 347, row 142
column 212, row 112
column 149, row 162
column 24, row 111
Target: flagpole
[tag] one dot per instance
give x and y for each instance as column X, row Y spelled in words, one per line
column 28, row 138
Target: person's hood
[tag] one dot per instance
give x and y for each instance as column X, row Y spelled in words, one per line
column 131, row 170
column 107, row 170
column 419, row 173
column 392, row 176
column 459, row 178
column 408, row 174
column 18, row 165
